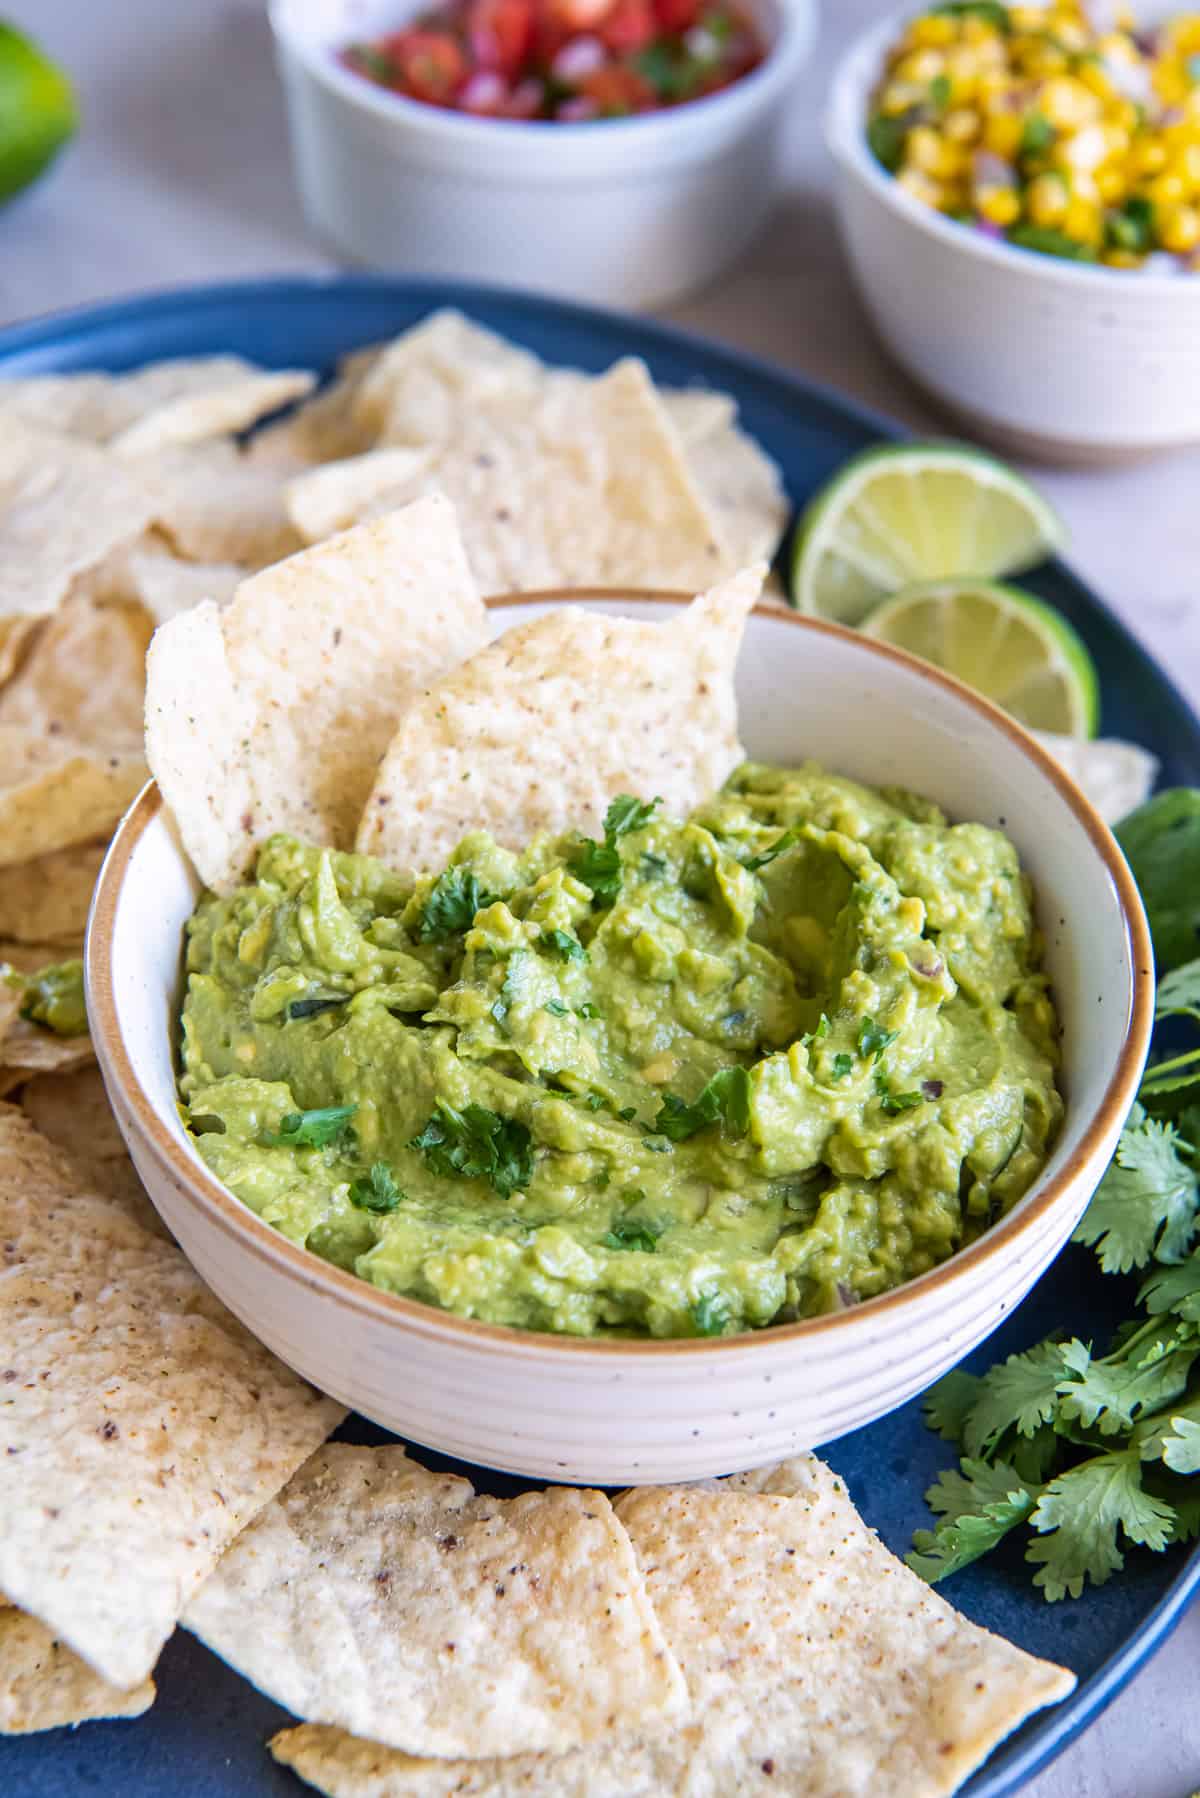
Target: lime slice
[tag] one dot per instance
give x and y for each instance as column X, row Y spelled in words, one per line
column 1117, row 777
column 915, row 512
column 1006, row 644
column 37, row 111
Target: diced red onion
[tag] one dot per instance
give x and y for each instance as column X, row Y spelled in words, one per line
column 582, row 56
column 988, row 228
column 990, row 170
column 701, row 44
column 483, row 91
column 578, row 110
column 932, row 1089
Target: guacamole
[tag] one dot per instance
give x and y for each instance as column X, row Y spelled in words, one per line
column 693, row 1078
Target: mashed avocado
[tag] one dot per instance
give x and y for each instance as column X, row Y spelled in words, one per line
column 695, row 1078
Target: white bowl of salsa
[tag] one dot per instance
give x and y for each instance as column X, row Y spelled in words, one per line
column 608, row 1409
column 629, row 210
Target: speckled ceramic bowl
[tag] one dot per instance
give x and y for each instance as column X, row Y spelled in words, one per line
column 623, row 1412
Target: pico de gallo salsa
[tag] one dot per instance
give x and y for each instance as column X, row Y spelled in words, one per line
column 563, row 60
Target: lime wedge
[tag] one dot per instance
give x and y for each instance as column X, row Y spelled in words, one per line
column 915, row 512
column 1006, row 644
column 37, row 111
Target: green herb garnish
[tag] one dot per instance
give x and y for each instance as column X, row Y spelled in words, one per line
column 711, row 1314
column 725, row 1099
column 633, row 1233
column 312, row 1008
column 454, row 898
column 991, row 11
column 1037, row 135
column 319, row 1128
column 885, row 140
column 556, row 1008
column 477, row 1144
column 378, row 1192
column 843, row 1064
column 890, row 1102
column 873, row 1039
column 563, row 944
column 598, row 865
column 1049, row 242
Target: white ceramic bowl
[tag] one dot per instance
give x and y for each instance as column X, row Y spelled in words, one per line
column 1046, row 357
column 628, row 212
column 623, row 1412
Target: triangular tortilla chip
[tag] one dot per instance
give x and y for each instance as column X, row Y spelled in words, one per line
column 97, row 407
column 83, row 677
column 141, row 1427
column 273, row 714
column 43, row 1685
column 818, row 1667
column 148, row 573
column 606, row 704
column 334, row 495
column 226, row 407
column 214, row 504
column 55, row 792
column 379, row 1596
column 49, row 896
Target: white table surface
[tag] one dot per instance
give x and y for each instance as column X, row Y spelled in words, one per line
column 181, row 174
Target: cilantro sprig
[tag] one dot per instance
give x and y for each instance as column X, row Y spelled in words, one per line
column 473, row 1143
column 725, row 1099
column 598, row 865
column 321, row 1128
column 1091, row 1448
column 451, row 905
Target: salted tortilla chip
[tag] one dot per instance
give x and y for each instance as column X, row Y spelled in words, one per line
column 1116, row 777
column 43, row 1685
column 55, row 792
column 427, row 385
column 28, row 1049
column 273, row 714
column 215, row 504
column 226, row 407
column 817, row 1664
column 697, row 412
column 149, row 574
column 609, row 705
column 72, row 1110
column 97, row 407
column 335, row 495
column 381, row 1597
column 50, row 895
column 83, row 677
column 64, row 507
column 142, row 1427
column 745, row 490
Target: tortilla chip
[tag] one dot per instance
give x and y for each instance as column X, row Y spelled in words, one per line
column 334, row 495
column 273, row 715
column 149, row 574
column 429, row 384
column 697, row 412
column 43, row 1685
column 64, row 507
column 214, row 504
column 383, row 1598
column 72, row 1111
column 224, row 408
column 745, row 490
column 56, row 792
column 1116, row 777
column 83, row 677
column 28, row 1048
column 540, row 730
column 142, row 1426
column 50, row 896
column 97, row 407
column 818, row 1665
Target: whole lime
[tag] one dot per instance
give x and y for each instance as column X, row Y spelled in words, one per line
column 37, row 111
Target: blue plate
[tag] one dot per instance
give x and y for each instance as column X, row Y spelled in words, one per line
column 204, row 1737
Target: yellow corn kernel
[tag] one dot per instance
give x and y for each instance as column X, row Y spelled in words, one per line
column 1095, row 78
column 933, row 155
column 920, row 186
column 962, row 126
column 1082, row 220
column 1122, row 116
column 1047, row 199
column 999, row 205
column 933, row 31
column 1188, row 164
column 1121, row 259
column 900, row 96
column 1167, row 189
column 1002, row 133
column 1147, row 156
column 1067, row 104
column 1111, row 185
column 920, row 68
column 1179, row 229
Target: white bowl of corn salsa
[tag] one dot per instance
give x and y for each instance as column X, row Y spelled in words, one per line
column 1019, row 190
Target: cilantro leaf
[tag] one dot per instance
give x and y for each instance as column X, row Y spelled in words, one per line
column 627, row 813
column 454, row 898
column 587, row 1010
column 978, row 1507
column 598, row 865
column 843, row 1064
column 556, row 1008
column 319, row 1128
column 1161, row 840
column 1146, row 1203
column 378, row 1192
column 1179, row 992
column 1081, row 1516
column 991, row 11
column 885, row 139
column 633, row 1233
column 781, row 844
column 1017, row 1394
column 894, row 1103
column 1176, row 1440
column 1037, row 135
column 725, row 1098
column 711, row 1314
column 477, row 1144
column 948, row 1404
column 1174, row 1289
column 1112, row 1393
column 563, row 944
column 873, row 1039
column 312, row 1008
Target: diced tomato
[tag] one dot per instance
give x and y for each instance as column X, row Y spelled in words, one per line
column 676, row 15
column 617, row 90
column 500, row 33
column 431, row 64
column 629, row 27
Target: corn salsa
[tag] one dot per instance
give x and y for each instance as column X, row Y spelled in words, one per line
column 568, row 61
column 1065, row 129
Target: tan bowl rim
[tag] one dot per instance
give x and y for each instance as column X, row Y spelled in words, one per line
column 251, row 1234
